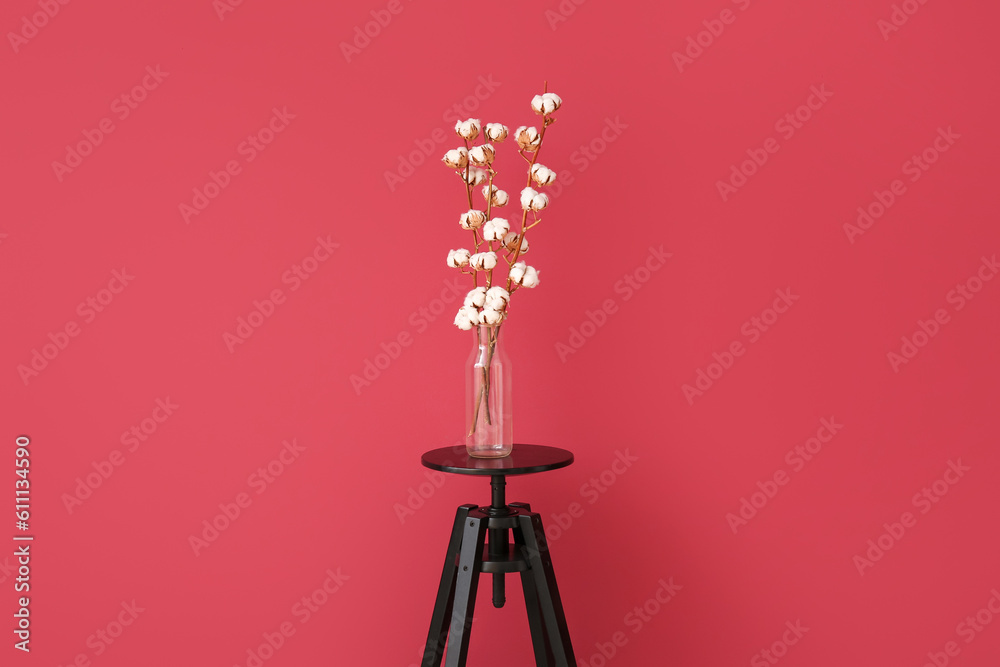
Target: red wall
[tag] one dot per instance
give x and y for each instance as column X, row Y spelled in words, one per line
column 801, row 405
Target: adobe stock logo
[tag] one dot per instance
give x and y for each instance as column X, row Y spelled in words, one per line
column 786, row 126
column 37, row 21
column 915, row 168
column 381, row 18
column 626, row 286
column 898, row 17
column 636, row 620
column 923, row 500
column 697, row 43
column 105, row 468
column 968, row 629
column 259, row 481
column 264, row 309
column 592, row 490
column 223, row 7
column 303, row 610
column 779, row 648
column 60, row 339
column 566, row 9
column 753, row 329
column 122, row 106
column 797, row 458
column 926, row 330
column 422, row 493
column 249, row 149
column 104, row 637
column 421, row 319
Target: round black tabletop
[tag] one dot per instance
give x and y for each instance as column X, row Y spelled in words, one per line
column 523, row 459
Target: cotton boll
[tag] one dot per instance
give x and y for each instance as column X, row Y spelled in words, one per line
column 458, row 258
column 527, row 138
column 494, row 195
column 496, row 132
column 483, row 261
column 542, row 105
column 476, row 176
column 516, row 274
column 466, row 318
column 539, row 202
column 476, row 297
column 456, row 158
column 542, row 174
column 496, row 298
column 524, row 275
column 510, row 242
column 490, row 317
column 467, row 129
column 482, row 155
column 552, row 99
column 530, row 277
column 527, row 195
column 495, row 229
column 545, row 103
column 472, row 219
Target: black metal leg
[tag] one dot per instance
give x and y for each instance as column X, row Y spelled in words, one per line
column 469, row 565
column 498, row 538
column 536, row 550
column 539, row 640
column 441, row 618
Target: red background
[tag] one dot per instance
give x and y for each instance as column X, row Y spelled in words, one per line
column 338, row 505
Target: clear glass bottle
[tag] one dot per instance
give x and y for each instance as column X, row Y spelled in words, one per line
column 489, row 430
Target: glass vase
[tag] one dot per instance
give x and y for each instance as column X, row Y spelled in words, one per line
column 489, row 430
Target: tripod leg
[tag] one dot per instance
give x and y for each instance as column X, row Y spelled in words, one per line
column 536, row 550
column 539, row 640
column 470, row 562
column 438, row 633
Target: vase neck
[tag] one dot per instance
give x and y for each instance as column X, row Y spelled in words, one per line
column 486, row 334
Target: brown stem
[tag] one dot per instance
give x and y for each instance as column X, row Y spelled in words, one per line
column 468, row 191
column 483, row 397
column 524, row 216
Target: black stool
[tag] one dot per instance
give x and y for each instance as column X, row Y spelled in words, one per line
column 469, row 554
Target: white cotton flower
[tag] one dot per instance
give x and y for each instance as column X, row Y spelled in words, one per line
column 482, row 156
column 458, row 258
column 545, row 103
column 466, row 318
column 496, row 132
column 490, row 316
column 532, row 200
column 542, row 106
column 483, row 261
column 524, row 275
column 476, row 176
column 494, row 195
column 527, row 195
column 496, row 298
column 510, row 242
column 495, row 229
column 456, row 158
column 476, row 297
column 530, row 277
column 542, row 174
column 467, row 129
column 471, row 219
column 517, row 272
column 527, row 138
